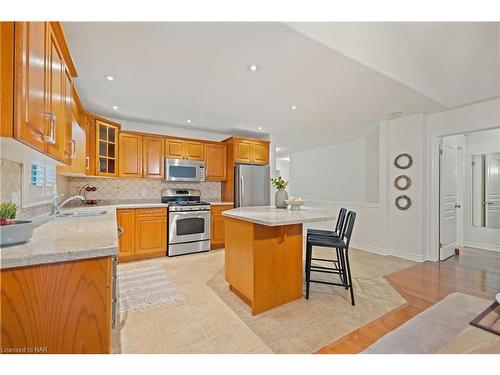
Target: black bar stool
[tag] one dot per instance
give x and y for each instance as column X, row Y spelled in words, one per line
column 338, row 227
column 341, row 264
column 335, row 233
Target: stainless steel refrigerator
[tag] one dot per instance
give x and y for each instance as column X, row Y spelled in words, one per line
column 252, row 184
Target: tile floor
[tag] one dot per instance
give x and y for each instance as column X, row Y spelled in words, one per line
column 211, row 319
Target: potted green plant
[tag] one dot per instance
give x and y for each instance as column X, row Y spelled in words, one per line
column 281, row 195
column 7, row 213
column 13, row 231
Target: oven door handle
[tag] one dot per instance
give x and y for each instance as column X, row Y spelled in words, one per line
column 198, row 213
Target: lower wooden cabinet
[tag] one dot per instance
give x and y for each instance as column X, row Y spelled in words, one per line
column 144, row 233
column 40, row 316
column 218, row 225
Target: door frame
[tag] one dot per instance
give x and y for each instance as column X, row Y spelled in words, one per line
column 432, row 189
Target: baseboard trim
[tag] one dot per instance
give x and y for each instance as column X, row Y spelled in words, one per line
column 382, row 251
column 482, row 246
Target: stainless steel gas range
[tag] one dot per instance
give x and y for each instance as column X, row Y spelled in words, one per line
column 188, row 221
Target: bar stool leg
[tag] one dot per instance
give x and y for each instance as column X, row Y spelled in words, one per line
column 308, row 268
column 350, row 279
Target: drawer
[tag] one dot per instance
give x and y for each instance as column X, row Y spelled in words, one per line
column 150, row 212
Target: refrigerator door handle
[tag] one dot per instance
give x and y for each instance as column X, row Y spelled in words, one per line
column 242, row 189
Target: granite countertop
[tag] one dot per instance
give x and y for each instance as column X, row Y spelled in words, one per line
column 65, row 239
column 272, row 216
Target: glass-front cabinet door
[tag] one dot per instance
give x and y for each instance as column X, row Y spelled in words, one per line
column 107, row 148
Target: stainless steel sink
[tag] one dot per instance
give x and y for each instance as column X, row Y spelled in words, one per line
column 83, row 213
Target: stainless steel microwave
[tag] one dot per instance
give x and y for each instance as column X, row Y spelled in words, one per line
column 184, row 170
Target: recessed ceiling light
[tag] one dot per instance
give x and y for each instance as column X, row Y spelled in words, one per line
column 293, row 107
column 114, row 107
column 260, row 128
column 188, row 121
column 110, row 78
column 253, row 67
column 396, row 114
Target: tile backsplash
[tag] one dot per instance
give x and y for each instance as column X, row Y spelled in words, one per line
column 134, row 189
column 10, row 177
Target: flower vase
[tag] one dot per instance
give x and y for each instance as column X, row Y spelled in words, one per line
column 280, row 198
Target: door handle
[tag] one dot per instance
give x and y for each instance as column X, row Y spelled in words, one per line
column 73, row 149
column 52, row 137
column 242, row 190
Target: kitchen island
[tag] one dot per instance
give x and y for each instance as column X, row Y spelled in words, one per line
column 263, row 253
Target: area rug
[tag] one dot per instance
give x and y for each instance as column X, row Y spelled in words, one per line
column 433, row 328
column 144, row 288
column 305, row 326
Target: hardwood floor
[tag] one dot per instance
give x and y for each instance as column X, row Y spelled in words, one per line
column 475, row 272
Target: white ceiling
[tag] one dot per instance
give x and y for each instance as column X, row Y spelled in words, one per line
column 167, row 73
column 454, row 63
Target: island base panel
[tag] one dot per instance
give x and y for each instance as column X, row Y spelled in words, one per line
column 263, row 264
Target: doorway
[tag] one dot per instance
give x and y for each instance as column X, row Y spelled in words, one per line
column 469, row 192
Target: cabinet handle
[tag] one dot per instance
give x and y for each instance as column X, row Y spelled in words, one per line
column 52, row 137
column 87, row 162
column 120, row 231
column 73, row 149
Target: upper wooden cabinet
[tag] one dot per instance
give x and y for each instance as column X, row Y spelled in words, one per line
column 78, row 159
column 141, row 156
column 107, row 134
column 184, row 149
column 42, row 88
column 130, row 155
column 215, row 161
column 153, row 157
column 251, row 151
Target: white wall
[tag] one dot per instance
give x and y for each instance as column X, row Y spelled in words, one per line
column 404, row 229
column 380, row 227
column 347, row 172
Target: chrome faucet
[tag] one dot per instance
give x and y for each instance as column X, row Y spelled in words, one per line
column 56, row 206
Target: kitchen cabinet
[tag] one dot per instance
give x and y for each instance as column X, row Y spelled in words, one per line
column 78, row 160
column 242, row 150
column 58, row 308
column 141, row 156
column 153, row 158
column 184, row 149
column 55, row 98
column 251, row 151
column 42, row 89
column 130, row 155
column 31, row 121
column 218, row 225
column 144, row 233
column 215, row 161
column 151, row 234
column 90, row 135
column 126, row 222
column 106, row 147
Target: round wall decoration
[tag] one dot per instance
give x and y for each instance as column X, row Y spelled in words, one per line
column 403, row 161
column 402, row 182
column 403, row 202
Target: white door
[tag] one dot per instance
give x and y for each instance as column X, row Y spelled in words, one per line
column 448, row 201
column 492, row 190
